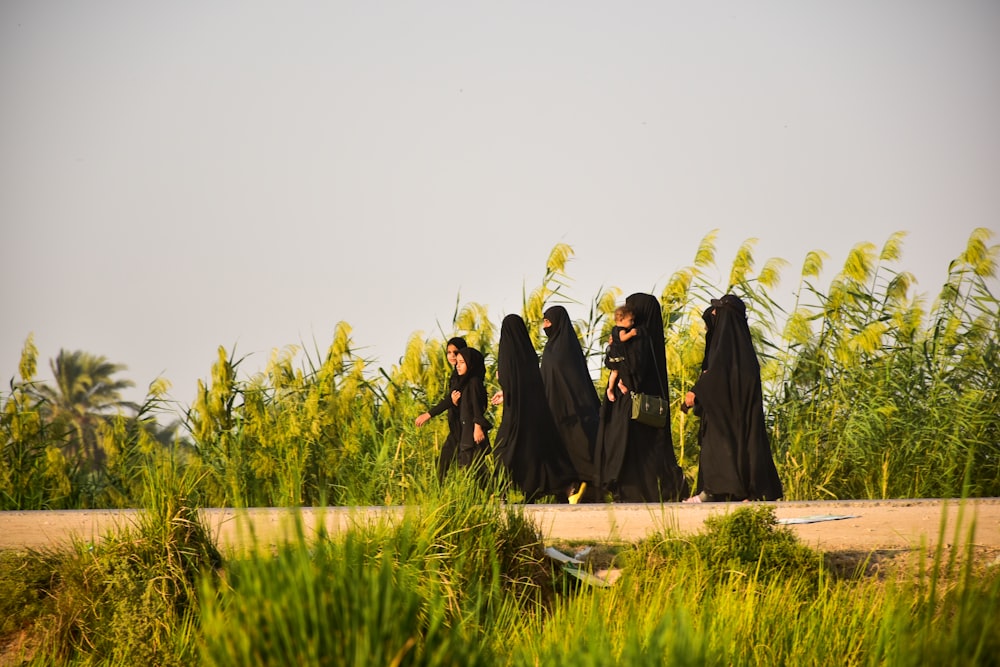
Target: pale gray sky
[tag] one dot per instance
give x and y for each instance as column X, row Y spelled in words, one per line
column 178, row 176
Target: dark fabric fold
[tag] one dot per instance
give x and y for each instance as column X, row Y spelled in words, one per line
column 528, row 444
column 735, row 461
column 570, row 392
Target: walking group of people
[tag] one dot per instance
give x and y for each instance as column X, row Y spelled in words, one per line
column 558, row 437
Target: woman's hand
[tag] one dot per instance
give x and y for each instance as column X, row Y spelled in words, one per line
column 478, row 434
column 455, row 395
column 497, row 398
column 622, row 388
column 422, row 419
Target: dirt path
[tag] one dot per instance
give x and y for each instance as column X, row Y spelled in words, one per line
column 866, row 526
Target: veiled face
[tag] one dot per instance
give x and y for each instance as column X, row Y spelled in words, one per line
column 460, row 366
column 554, row 321
column 452, row 352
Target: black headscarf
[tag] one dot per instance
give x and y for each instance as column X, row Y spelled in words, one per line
column 453, row 381
column 528, row 443
column 475, row 368
column 446, row 403
column 736, row 461
column 570, row 390
column 646, row 355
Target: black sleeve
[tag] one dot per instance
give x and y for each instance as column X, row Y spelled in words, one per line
column 441, row 406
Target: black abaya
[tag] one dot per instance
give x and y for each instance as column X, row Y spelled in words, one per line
column 735, row 461
column 472, row 409
column 571, row 394
column 449, row 449
column 638, row 463
column 528, row 444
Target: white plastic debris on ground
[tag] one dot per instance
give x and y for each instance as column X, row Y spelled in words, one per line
column 571, row 565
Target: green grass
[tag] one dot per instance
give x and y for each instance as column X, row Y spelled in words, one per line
column 463, row 580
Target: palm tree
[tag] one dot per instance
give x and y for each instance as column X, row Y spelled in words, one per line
column 84, row 395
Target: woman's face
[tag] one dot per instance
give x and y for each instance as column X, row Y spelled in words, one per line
column 460, row 365
column 452, row 354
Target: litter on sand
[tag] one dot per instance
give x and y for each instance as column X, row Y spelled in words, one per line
column 601, row 578
column 816, row 518
column 571, row 565
column 555, row 554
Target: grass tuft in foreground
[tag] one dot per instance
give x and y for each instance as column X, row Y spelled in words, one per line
column 463, row 580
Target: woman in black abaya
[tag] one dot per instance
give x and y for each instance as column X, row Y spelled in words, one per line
column 571, row 394
column 528, row 444
column 449, row 404
column 638, row 463
column 473, row 438
column 735, row 461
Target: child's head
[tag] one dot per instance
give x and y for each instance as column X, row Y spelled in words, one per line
column 454, row 345
column 623, row 317
column 469, row 361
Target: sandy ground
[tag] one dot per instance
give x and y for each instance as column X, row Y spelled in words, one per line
column 864, row 525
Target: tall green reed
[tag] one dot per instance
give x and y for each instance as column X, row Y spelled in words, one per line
column 874, row 403
column 868, row 393
column 35, row 472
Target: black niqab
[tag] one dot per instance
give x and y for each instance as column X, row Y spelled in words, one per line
column 709, row 318
column 646, row 354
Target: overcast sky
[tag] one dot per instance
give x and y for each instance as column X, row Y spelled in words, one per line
column 176, row 176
